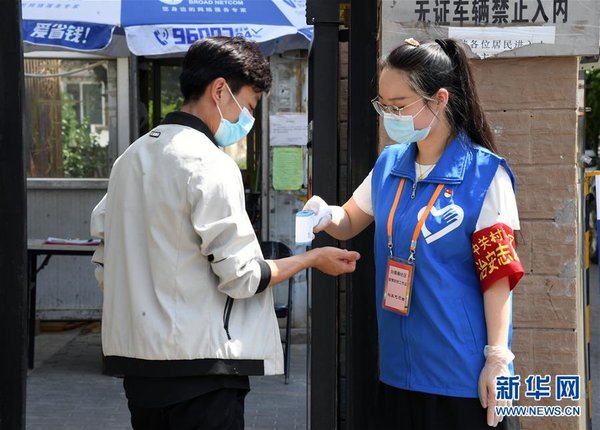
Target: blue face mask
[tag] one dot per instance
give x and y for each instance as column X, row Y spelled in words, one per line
column 228, row 132
column 401, row 128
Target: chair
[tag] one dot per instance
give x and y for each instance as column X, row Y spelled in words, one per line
column 272, row 251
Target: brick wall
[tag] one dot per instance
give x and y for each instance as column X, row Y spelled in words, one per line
column 531, row 105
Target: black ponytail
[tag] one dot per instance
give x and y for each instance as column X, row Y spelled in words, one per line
column 443, row 63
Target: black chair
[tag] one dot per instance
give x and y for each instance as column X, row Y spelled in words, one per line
column 273, row 251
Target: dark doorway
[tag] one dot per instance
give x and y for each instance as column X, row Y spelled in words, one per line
column 159, row 94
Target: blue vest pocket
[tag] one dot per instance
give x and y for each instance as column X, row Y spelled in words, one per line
column 467, row 332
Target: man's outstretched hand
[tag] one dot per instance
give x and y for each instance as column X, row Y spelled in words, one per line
column 329, row 260
column 334, row 261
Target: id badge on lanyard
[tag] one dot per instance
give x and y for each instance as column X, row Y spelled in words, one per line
column 398, row 285
column 399, row 272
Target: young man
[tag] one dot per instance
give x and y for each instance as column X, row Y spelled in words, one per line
column 187, row 313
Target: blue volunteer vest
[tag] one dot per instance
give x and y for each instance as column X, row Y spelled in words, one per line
column 438, row 347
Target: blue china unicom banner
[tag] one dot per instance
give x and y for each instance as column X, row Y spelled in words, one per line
column 157, row 27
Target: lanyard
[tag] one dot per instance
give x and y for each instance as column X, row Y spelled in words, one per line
column 413, row 242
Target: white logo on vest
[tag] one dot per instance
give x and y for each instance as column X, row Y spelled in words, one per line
column 452, row 216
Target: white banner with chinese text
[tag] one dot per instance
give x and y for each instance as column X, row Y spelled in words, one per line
column 515, row 28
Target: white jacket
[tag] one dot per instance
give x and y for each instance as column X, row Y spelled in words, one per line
column 184, row 277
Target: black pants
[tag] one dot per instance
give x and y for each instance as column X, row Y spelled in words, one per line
column 221, row 409
column 411, row 410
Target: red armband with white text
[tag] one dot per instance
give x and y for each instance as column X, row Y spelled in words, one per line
column 495, row 256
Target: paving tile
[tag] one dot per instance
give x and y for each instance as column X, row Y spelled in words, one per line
column 67, row 390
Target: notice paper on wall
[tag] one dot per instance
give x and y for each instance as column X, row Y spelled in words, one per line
column 489, row 41
column 287, row 168
column 290, row 128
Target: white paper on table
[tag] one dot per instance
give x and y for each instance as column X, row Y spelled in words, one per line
column 63, row 241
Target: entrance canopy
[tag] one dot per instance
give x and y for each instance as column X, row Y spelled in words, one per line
column 164, row 27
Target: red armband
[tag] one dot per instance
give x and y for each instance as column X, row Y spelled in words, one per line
column 495, row 256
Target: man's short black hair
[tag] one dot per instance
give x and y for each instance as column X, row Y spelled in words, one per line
column 237, row 60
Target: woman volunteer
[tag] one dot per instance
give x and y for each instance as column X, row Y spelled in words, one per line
column 445, row 213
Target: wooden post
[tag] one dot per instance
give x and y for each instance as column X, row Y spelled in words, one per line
column 323, row 114
column 13, row 215
column 361, row 346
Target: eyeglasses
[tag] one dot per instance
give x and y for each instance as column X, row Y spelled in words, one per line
column 382, row 109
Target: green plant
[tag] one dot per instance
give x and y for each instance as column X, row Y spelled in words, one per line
column 592, row 101
column 83, row 157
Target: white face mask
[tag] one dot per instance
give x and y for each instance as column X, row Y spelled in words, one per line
column 401, row 128
column 229, row 133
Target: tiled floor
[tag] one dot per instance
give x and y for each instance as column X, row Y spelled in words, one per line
column 67, row 390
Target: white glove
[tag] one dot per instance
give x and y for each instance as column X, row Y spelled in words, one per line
column 497, row 359
column 322, row 213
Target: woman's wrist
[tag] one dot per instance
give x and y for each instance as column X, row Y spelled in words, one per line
column 500, row 352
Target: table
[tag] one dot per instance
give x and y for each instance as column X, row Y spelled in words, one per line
column 36, row 248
